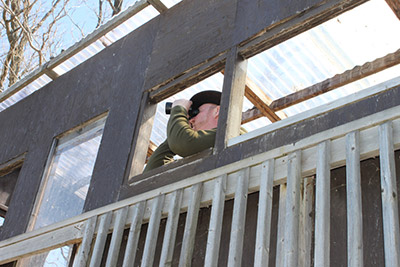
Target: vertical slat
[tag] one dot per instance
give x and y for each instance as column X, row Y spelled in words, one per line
column 84, row 248
column 354, row 206
column 306, row 222
column 322, row 206
column 171, row 228
column 104, row 226
column 292, row 210
column 389, row 196
column 238, row 219
column 281, row 225
column 152, row 231
column 264, row 214
column 116, row 238
column 134, row 233
column 191, row 226
column 214, row 230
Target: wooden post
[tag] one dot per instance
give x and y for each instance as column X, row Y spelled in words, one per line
column 354, row 205
column 116, row 238
column 152, row 232
column 171, row 228
column 238, row 219
column 264, row 214
column 291, row 247
column 281, row 225
column 214, row 230
column 104, row 226
column 389, row 196
column 322, row 206
column 84, row 248
column 230, row 114
column 134, row 233
column 190, row 226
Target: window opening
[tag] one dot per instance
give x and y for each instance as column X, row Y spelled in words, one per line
column 361, row 35
column 67, row 176
column 158, row 134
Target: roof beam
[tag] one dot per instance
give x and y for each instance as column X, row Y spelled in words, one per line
column 337, row 81
column 157, row 4
column 260, row 100
column 395, row 6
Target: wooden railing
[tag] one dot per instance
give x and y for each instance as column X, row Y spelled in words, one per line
column 294, row 168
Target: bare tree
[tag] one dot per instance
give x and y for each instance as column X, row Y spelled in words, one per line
column 29, row 33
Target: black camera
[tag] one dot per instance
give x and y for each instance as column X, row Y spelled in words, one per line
column 192, row 113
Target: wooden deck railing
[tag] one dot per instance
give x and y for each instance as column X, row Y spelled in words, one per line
column 294, row 168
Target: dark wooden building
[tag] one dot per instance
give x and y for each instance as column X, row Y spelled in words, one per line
column 315, row 189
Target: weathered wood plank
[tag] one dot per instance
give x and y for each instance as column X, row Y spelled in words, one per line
column 116, row 238
column 354, row 206
column 337, row 81
column 168, row 245
column 230, row 112
column 292, row 209
column 104, row 226
column 238, row 219
column 157, row 4
column 134, row 233
column 262, row 248
column 215, row 227
column 152, row 231
column 322, row 206
column 395, row 6
column 389, row 196
column 281, row 226
column 190, row 225
column 84, row 248
column 306, row 222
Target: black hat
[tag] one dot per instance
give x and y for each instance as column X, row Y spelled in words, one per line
column 204, row 97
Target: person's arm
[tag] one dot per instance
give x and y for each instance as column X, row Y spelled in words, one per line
column 161, row 156
column 182, row 139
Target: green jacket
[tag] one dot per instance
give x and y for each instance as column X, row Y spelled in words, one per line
column 181, row 140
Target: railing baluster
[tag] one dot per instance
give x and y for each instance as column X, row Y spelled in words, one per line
column 322, row 206
column 264, row 214
column 214, row 230
column 306, row 222
column 190, row 225
column 152, row 231
column 116, row 238
column 170, row 229
column 84, row 248
column 134, row 233
column 238, row 219
column 281, row 225
column 389, row 196
column 354, row 205
column 104, row 226
column 292, row 210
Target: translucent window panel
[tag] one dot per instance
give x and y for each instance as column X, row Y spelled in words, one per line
column 68, row 175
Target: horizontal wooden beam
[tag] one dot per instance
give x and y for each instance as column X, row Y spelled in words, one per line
column 337, row 81
column 251, row 115
column 395, row 6
column 157, row 4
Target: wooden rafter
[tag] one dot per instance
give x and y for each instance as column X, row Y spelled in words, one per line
column 395, row 6
column 260, row 100
column 157, row 4
column 338, row 80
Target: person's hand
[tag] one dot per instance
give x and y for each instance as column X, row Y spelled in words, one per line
column 182, row 102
